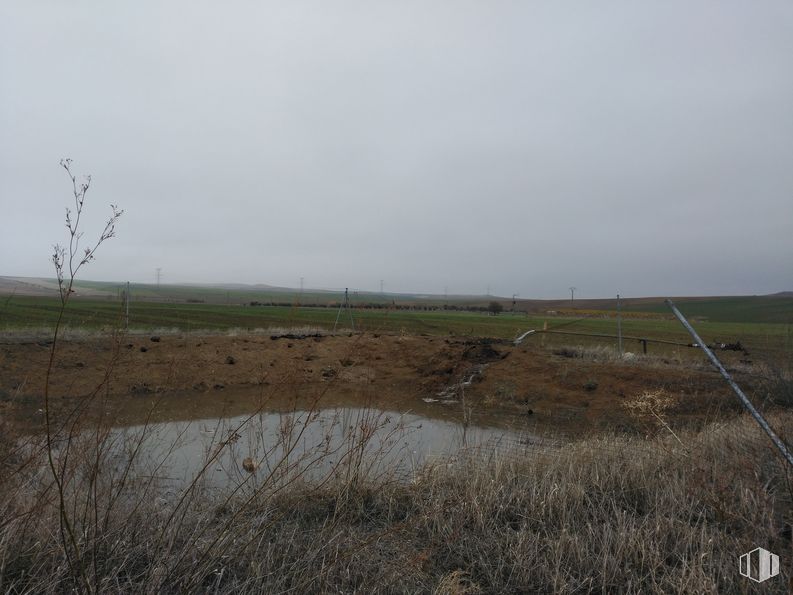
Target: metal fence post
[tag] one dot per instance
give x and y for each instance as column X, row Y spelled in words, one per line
column 744, row 399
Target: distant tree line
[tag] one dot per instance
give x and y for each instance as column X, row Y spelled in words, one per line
column 493, row 307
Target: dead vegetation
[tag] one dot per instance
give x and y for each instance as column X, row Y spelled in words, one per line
column 612, row 514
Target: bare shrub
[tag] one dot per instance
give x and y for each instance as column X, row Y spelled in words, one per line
column 605, row 514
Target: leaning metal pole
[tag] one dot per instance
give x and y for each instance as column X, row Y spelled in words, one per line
column 744, row 399
column 619, row 326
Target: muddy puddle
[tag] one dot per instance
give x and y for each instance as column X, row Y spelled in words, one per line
column 230, row 441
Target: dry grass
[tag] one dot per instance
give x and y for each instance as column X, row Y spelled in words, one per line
column 689, row 360
column 604, row 353
column 613, row 514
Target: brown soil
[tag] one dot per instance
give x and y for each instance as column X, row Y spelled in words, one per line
column 197, row 376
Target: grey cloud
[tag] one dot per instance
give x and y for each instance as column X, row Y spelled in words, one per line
column 644, row 148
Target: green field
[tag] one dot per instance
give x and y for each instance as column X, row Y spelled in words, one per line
column 772, row 309
column 21, row 313
column 233, row 294
column 31, row 312
column 761, row 308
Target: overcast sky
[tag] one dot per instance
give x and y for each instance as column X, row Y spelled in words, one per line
column 644, row 148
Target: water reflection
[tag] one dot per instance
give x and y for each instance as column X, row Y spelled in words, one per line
column 278, row 447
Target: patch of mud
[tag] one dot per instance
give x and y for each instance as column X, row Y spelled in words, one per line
column 395, row 372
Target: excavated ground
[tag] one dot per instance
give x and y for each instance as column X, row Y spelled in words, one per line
column 190, row 376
